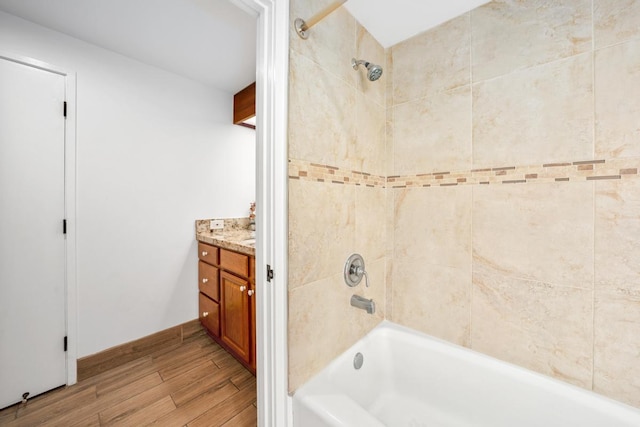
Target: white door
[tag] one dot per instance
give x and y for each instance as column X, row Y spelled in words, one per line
column 32, row 243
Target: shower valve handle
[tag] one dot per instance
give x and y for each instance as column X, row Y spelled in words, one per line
column 359, row 271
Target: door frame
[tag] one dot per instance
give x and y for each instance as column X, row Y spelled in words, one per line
column 71, row 293
column 272, row 71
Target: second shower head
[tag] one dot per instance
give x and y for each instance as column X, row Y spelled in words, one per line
column 373, row 71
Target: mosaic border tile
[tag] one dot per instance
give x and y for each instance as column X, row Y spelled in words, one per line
column 299, row 169
column 576, row 171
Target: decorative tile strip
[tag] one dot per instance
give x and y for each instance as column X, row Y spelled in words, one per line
column 307, row 171
column 564, row 172
column 577, row 171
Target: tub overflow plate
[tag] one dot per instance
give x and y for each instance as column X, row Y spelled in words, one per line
column 358, row 360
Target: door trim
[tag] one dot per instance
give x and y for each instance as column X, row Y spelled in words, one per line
column 71, row 297
column 272, row 77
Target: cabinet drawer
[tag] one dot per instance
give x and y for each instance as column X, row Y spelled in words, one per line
column 208, row 280
column 209, row 314
column 252, row 268
column 208, row 253
column 234, row 262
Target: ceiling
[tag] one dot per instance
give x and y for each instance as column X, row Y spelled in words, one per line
column 392, row 21
column 211, row 41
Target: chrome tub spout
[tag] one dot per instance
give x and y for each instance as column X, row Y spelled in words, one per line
column 363, row 303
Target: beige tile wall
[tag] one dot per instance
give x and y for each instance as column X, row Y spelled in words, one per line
column 432, row 260
column 544, row 114
column 617, row 106
column 337, row 199
column 553, row 280
column 617, row 290
column 490, row 179
column 510, row 35
column 532, row 300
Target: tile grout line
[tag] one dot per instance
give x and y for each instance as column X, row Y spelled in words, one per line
column 593, row 80
column 472, row 290
column 593, row 291
column 473, row 190
column 595, row 184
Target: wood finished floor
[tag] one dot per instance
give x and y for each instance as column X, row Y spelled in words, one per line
column 194, row 384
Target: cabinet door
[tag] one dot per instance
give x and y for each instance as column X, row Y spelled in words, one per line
column 235, row 314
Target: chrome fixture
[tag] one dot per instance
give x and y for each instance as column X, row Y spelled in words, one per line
column 354, row 270
column 302, row 27
column 373, row 71
column 363, row 303
column 358, row 360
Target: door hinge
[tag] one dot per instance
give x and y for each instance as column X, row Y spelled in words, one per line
column 64, row 226
column 64, row 109
column 269, row 273
column 65, row 343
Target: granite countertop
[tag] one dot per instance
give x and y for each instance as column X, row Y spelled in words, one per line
column 234, row 238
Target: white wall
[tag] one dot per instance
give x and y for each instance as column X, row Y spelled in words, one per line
column 155, row 151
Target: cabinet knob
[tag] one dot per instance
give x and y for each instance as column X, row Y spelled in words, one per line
column 205, row 253
column 205, row 313
column 205, row 280
column 243, row 288
column 251, row 292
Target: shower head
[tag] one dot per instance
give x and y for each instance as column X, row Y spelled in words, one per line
column 373, row 71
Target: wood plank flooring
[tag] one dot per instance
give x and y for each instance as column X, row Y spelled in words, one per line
column 195, row 383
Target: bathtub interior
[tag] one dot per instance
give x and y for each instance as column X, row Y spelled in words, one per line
column 411, row 379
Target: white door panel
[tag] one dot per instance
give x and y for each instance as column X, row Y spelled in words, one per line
column 32, row 245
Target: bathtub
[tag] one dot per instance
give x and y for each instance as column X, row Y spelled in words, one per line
column 411, row 379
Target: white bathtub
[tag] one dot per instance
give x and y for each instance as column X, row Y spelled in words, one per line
column 414, row 380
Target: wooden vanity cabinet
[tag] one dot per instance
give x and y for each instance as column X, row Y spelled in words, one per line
column 226, row 281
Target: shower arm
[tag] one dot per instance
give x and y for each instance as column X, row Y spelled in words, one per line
column 356, row 62
column 302, row 27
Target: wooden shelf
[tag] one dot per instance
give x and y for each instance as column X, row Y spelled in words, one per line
column 244, row 105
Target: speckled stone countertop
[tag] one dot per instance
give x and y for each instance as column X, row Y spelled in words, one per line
column 234, row 236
